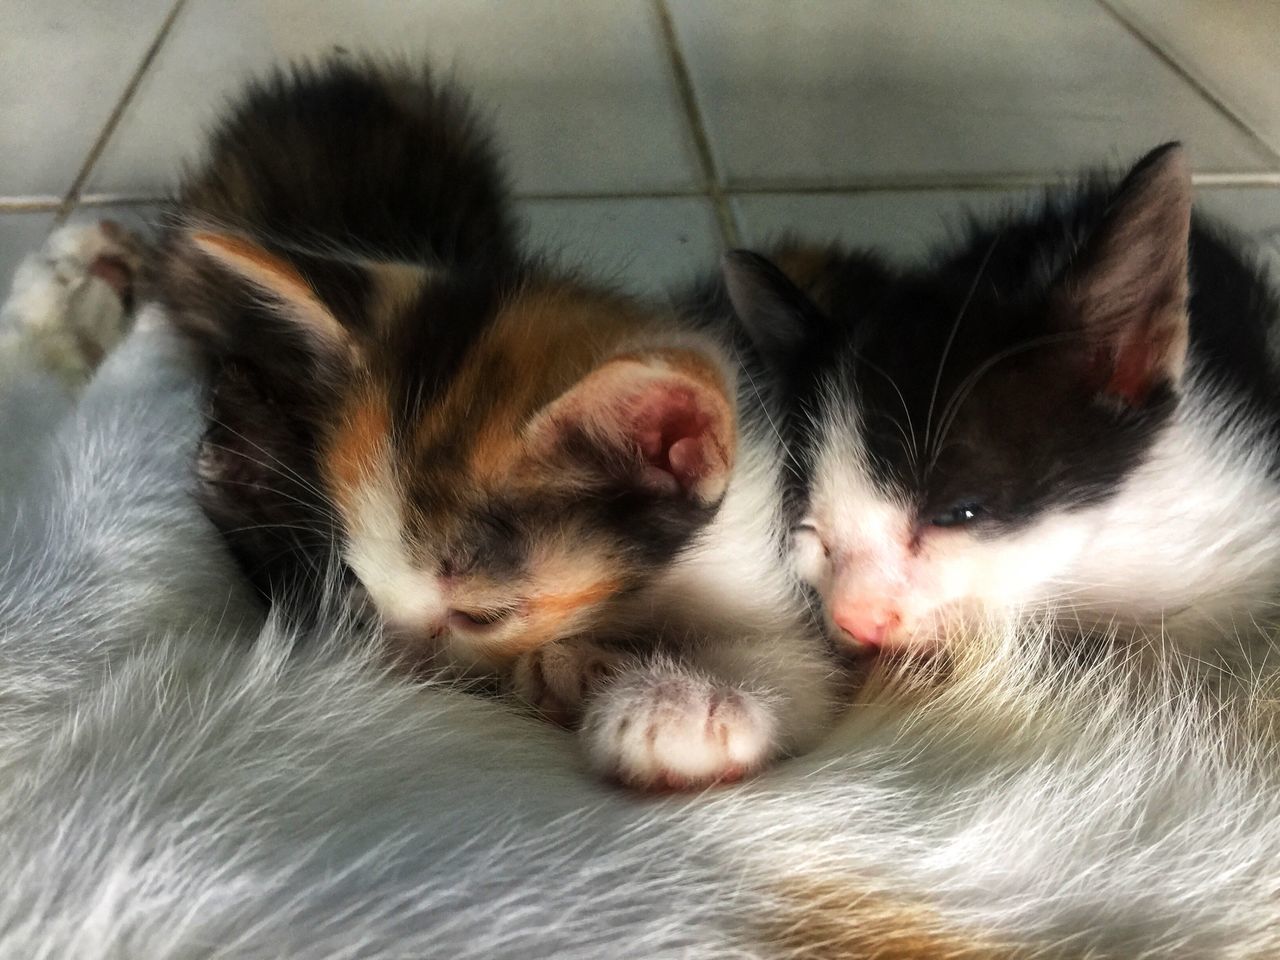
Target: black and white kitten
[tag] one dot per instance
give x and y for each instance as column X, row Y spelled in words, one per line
column 1072, row 413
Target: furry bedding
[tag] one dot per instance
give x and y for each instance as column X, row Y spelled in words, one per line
column 180, row 776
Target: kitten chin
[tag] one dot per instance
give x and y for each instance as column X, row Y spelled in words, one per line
column 1049, row 418
column 498, row 455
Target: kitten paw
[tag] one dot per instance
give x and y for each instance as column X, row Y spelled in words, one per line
column 557, row 678
column 663, row 728
column 71, row 301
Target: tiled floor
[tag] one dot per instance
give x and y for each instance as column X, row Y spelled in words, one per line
column 646, row 135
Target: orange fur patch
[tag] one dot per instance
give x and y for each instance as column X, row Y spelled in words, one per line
column 558, row 606
column 394, row 288
column 352, row 452
column 823, row 919
column 542, row 343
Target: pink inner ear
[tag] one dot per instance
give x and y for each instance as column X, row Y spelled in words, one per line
column 678, row 441
column 670, row 429
column 1132, row 373
column 1134, row 367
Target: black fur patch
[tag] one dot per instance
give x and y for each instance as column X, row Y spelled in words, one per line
column 379, row 158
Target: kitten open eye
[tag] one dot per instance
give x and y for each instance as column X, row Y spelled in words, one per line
column 959, row 514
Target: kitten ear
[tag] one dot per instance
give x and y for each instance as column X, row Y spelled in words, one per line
column 281, row 285
column 1128, row 288
column 661, row 422
column 777, row 316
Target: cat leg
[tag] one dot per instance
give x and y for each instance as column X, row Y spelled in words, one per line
column 711, row 713
column 667, row 726
column 557, row 679
column 66, row 309
column 71, row 301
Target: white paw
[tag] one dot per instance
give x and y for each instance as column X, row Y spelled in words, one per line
column 557, row 678
column 71, row 301
column 663, row 727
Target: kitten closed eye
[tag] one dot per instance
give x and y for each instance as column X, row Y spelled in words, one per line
column 477, row 619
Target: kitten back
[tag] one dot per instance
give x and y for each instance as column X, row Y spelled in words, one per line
column 378, row 158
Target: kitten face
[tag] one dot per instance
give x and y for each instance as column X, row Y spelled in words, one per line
column 921, row 506
column 483, row 565
column 497, row 464
column 961, row 429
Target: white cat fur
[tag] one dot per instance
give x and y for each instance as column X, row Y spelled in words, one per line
column 178, row 780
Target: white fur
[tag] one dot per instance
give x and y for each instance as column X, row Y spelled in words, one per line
column 178, row 779
column 406, row 594
column 750, row 679
column 62, row 312
column 663, row 724
column 1207, row 489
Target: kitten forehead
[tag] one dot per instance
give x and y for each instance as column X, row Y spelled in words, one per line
column 361, row 474
column 537, row 345
column 851, row 504
column 404, row 592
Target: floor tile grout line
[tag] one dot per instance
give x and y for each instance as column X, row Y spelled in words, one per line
column 697, row 129
column 72, row 196
column 41, row 204
column 1222, row 179
column 1174, row 63
column 1010, row 181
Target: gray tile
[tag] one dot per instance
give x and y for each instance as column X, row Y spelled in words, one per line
column 141, row 218
column 63, row 66
column 1253, row 210
column 20, row 234
column 581, row 91
column 646, row 245
column 905, row 225
column 829, row 92
column 1232, row 47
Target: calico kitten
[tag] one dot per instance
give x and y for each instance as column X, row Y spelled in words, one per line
column 500, row 455
column 1073, row 412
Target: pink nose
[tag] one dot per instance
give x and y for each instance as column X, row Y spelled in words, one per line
column 866, row 624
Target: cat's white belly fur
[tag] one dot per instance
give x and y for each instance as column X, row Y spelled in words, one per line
column 167, row 793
